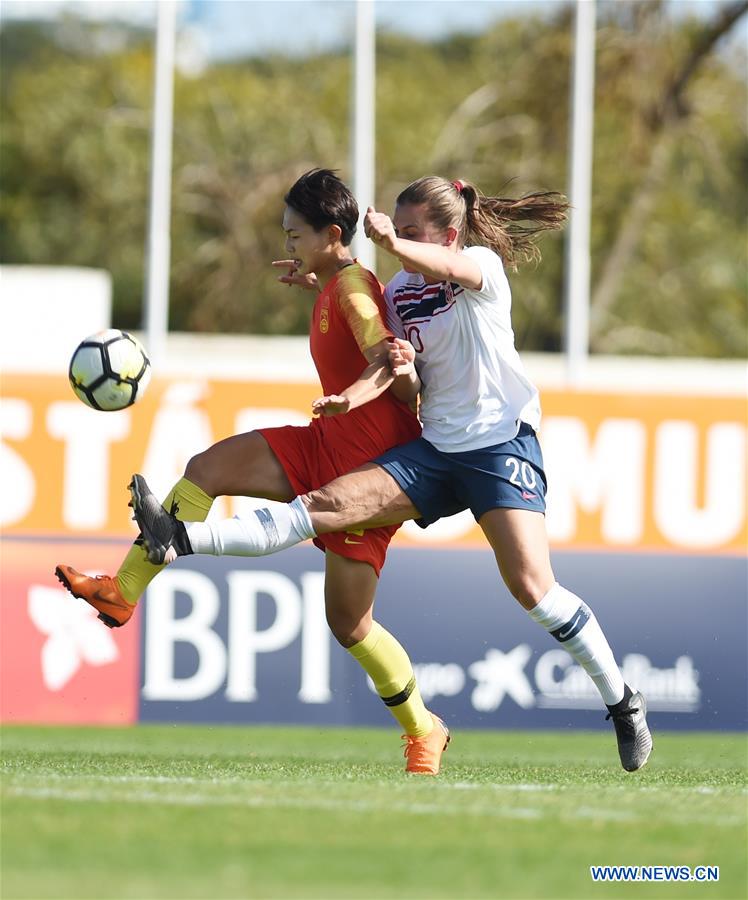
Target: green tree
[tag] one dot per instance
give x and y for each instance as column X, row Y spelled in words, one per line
column 669, row 204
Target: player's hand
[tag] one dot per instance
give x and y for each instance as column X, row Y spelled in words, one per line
column 309, row 281
column 378, row 227
column 333, row 405
column 401, row 357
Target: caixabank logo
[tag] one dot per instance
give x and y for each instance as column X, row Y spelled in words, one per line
column 552, row 680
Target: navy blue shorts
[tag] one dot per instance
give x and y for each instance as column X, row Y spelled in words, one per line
column 441, row 484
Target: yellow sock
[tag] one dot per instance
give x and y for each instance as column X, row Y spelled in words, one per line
column 383, row 658
column 136, row 573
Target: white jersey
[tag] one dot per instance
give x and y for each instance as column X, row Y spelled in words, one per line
column 475, row 392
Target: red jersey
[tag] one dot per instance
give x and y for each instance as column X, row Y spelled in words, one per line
column 349, row 318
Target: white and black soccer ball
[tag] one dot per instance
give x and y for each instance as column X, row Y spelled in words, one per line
column 109, row 370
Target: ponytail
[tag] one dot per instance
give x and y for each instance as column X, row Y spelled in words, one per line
column 508, row 227
column 494, row 222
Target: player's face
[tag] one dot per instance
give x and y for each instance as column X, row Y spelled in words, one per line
column 412, row 224
column 308, row 247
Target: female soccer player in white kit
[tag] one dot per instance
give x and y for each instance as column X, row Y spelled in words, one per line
column 451, row 307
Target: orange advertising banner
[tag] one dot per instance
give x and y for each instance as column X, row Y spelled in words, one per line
column 628, row 471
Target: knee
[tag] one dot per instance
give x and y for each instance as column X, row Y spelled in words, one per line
column 323, row 500
column 198, row 471
column 347, row 629
column 341, row 628
column 527, row 590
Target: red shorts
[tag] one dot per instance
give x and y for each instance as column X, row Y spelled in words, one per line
column 309, row 462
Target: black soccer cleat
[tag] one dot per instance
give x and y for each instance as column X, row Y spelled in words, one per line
column 634, row 737
column 164, row 536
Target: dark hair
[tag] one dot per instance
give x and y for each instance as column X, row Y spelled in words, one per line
column 322, row 199
column 489, row 221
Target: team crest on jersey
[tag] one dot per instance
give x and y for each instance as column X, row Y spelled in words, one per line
column 324, row 319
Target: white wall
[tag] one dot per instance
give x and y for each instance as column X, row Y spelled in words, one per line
column 46, row 311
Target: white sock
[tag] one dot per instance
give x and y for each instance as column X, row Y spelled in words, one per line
column 272, row 527
column 574, row 625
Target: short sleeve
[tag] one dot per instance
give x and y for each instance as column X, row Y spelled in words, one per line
column 494, row 282
column 392, row 319
column 359, row 307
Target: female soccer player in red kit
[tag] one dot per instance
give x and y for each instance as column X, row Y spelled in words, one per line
column 349, row 342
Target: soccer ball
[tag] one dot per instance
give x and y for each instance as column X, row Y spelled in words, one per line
column 109, row 370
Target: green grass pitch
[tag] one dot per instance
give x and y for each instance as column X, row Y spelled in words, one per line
column 229, row 812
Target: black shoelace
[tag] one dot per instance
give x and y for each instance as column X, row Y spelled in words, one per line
column 623, row 712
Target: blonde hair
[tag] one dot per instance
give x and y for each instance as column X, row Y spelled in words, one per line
column 489, row 221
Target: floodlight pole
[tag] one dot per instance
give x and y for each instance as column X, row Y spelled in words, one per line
column 158, row 252
column 363, row 115
column 577, row 269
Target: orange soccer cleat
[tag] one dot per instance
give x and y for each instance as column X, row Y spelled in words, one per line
column 102, row 592
column 424, row 754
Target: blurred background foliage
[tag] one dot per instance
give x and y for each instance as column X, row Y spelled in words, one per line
column 669, row 235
